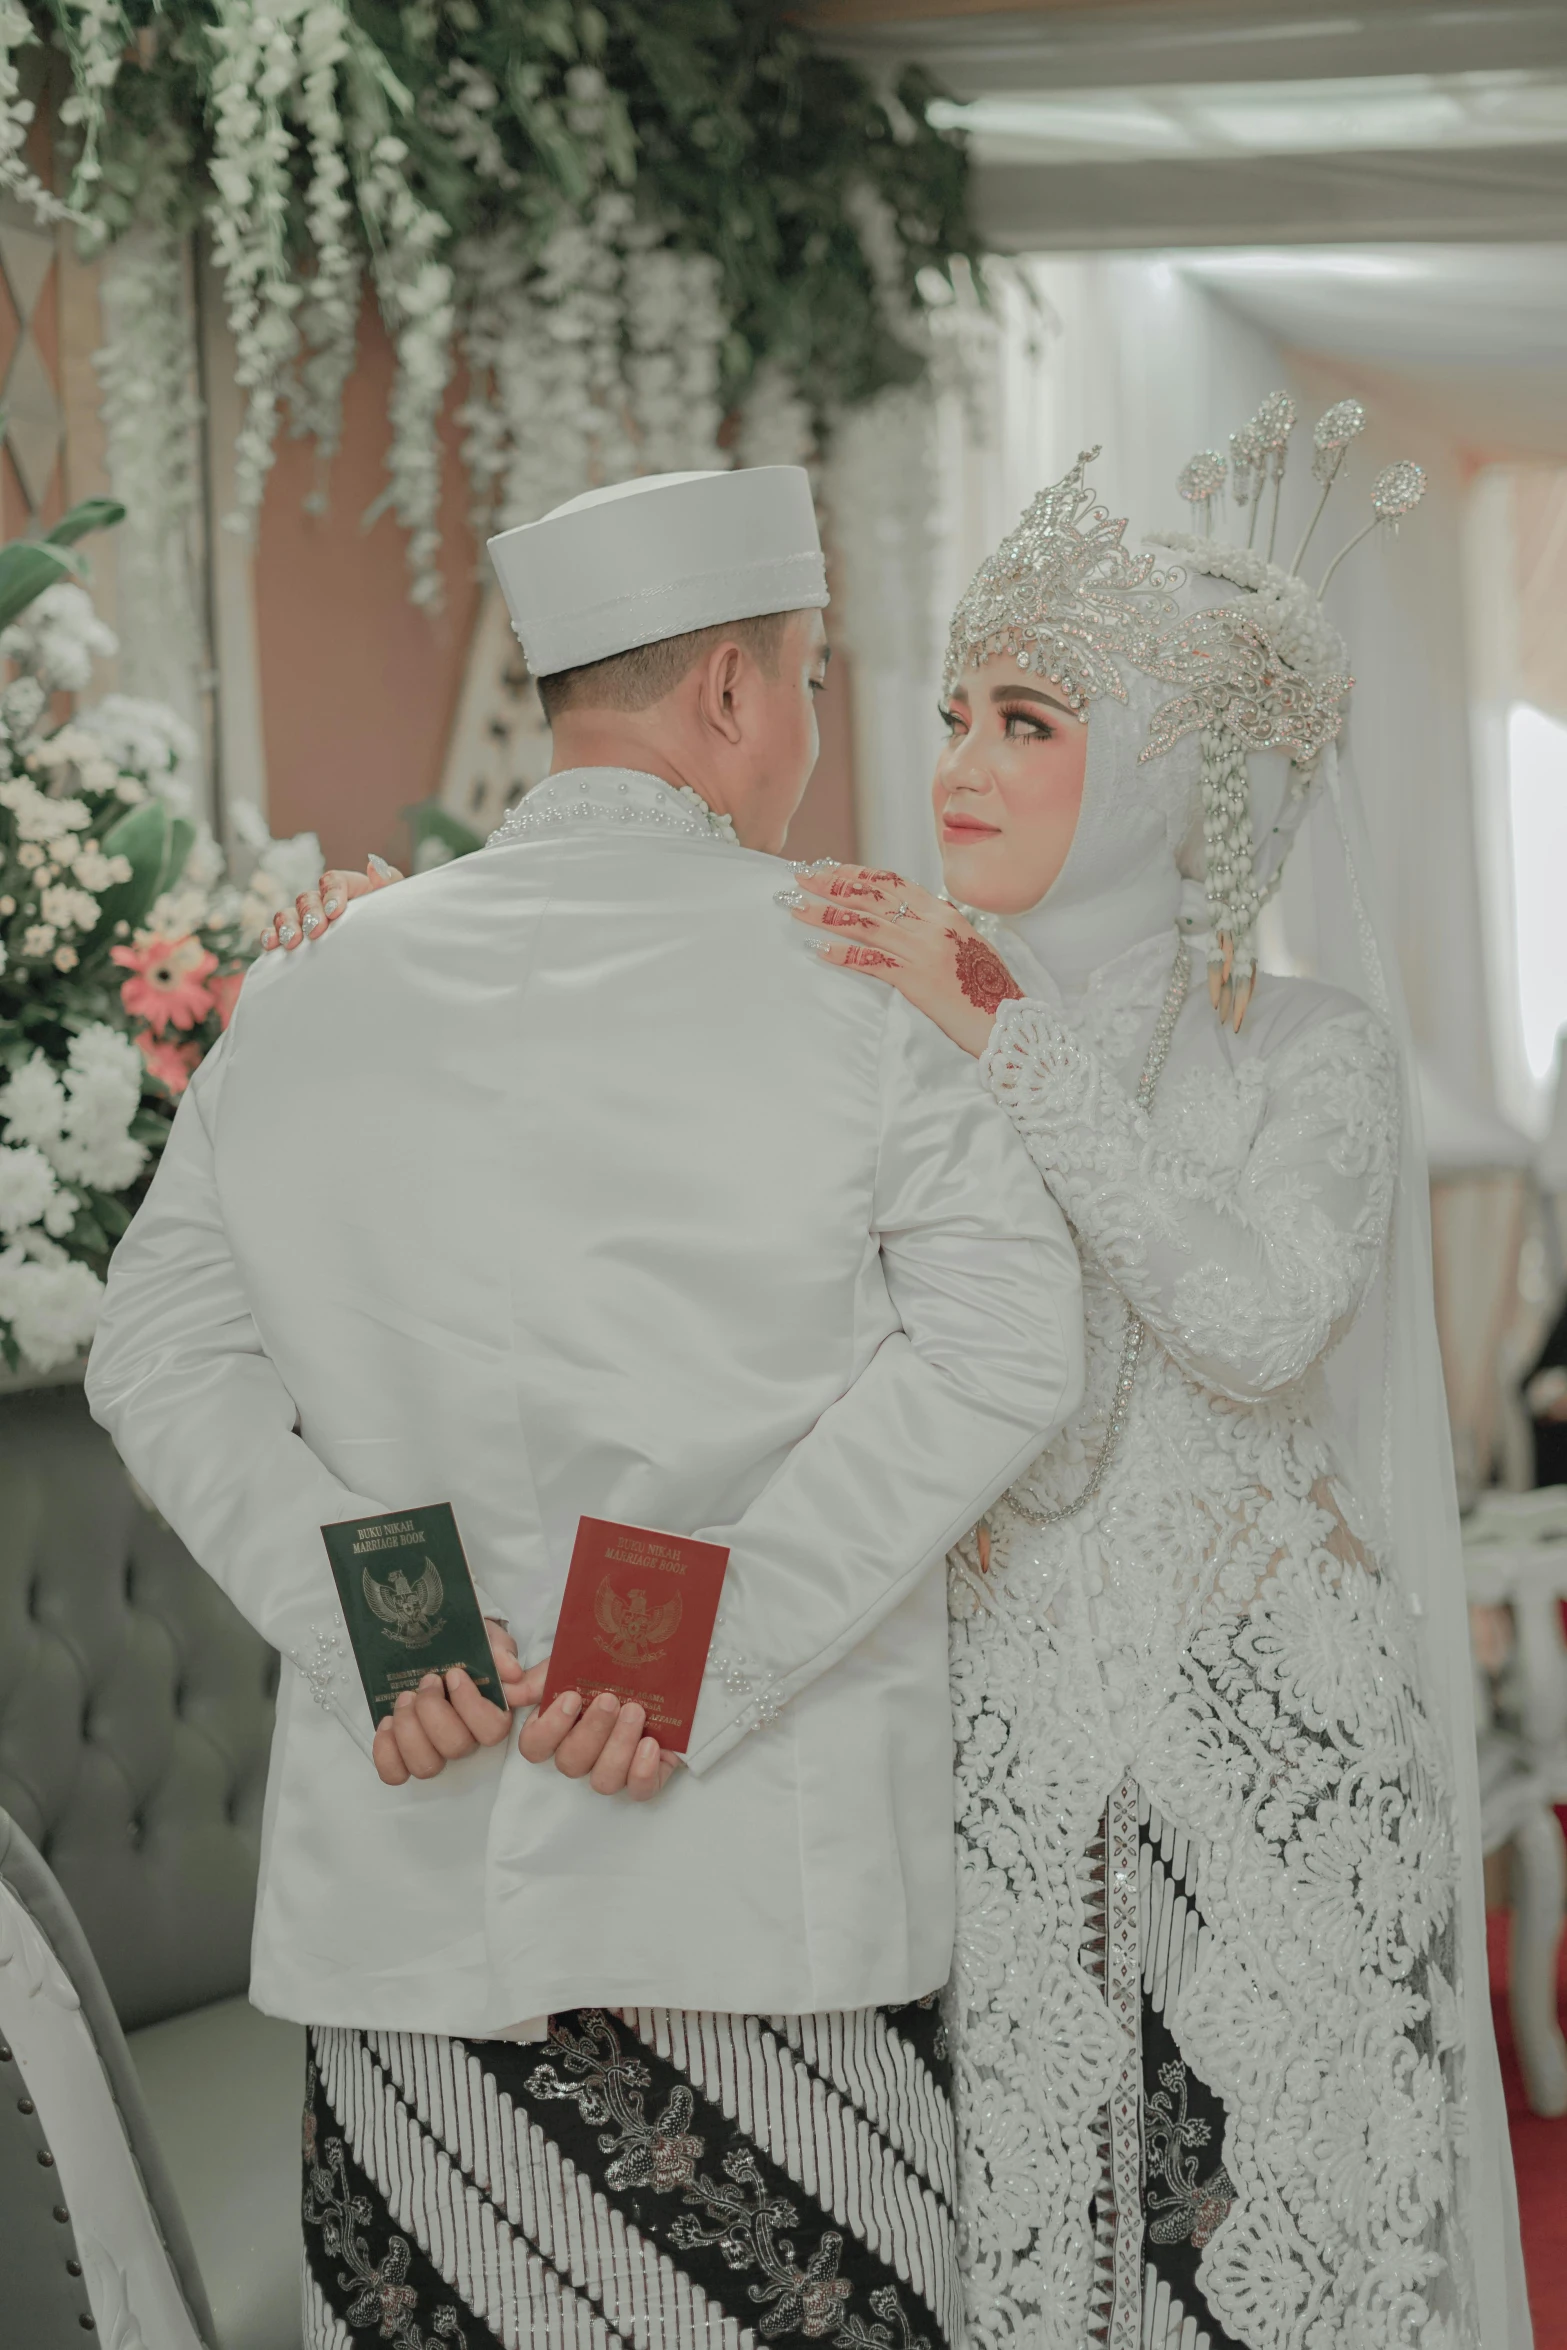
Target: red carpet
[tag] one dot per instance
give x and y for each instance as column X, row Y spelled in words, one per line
column 1540, row 2158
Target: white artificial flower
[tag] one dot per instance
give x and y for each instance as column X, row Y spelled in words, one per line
column 66, row 958
column 67, row 908
column 287, row 867
column 38, row 941
column 248, row 825
column 79, row 1117
column 30, row 855
column 103, row 1076
column 177, row 913
column 27, row 1186
column 38, row 817
column 32, row 1102
column 95, row 871
column 52, row 1308
column 58, row 636
column 139, row 738
column 204, row 865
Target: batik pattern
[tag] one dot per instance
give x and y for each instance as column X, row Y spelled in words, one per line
column 653, row 2180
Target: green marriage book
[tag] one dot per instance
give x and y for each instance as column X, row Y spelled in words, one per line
column 409, row 1602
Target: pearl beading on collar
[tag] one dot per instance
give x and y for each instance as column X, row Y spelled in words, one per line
column 649, row 805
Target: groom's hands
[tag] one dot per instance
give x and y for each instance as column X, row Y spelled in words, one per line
column 602, row 1741
column 443, row 1720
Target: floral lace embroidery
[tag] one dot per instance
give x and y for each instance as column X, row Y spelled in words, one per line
column 1215, row 1631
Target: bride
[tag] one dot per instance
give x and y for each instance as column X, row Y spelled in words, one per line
column 1218, row 2014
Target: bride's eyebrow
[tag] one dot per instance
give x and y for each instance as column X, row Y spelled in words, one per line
column 1027, row 693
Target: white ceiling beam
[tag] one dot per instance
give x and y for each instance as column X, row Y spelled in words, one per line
column 1007, row 49
column 1498, row 195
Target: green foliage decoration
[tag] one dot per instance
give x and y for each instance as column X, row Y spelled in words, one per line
column 316, row 139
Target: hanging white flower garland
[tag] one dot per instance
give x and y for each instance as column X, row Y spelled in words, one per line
column 329, row 312
column 16, row 118
column 248, row 216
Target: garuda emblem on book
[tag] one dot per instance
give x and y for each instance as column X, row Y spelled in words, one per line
column 629, row 1630
column 410, row 1611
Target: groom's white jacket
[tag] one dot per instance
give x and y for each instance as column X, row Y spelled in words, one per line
column 563, row 1180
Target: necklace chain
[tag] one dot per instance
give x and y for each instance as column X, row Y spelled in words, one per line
column 1135, row 1328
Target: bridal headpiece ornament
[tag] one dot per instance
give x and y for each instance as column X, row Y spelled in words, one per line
column 1067, row 599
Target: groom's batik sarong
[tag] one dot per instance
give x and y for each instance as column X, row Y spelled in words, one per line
column 656, row 2180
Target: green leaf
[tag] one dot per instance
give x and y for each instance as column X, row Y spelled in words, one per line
column 182, row 838
column 27, row 567
column 143, row 835
column 88, row 514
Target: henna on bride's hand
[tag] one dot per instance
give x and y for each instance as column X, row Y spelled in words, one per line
column 841, row 918
column 852, row 889
column 982, row 975
column 869, row 959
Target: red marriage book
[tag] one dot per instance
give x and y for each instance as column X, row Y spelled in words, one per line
column 637, row 1620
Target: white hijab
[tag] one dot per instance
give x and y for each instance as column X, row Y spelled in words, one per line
column 1138, row 829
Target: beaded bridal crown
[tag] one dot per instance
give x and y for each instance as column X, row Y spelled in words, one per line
column 1065, row 598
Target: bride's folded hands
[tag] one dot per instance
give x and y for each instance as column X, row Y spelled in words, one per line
column 894, row 931
column 315, row 910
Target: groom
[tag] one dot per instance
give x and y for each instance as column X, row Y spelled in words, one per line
column 563, row 1181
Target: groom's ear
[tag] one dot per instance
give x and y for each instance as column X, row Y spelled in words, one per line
column 720, row 677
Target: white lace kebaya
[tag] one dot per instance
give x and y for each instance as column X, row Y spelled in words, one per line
column 1210, row 2052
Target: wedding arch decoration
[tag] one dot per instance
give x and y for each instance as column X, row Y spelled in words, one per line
column 124, row 937
column 653, row 233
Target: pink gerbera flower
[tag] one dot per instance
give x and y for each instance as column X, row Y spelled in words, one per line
column 169, row 1062
column 169, row 982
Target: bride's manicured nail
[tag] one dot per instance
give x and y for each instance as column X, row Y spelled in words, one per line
column 789, row 897
column 312, row 923
column 332, row 905
column 379, row 865
column 286, row 931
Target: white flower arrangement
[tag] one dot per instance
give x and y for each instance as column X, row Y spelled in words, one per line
column 123, row 944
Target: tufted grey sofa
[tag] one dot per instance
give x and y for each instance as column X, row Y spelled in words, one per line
column 135, row 1717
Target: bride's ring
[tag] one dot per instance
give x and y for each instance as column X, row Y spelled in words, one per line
column 901, row 913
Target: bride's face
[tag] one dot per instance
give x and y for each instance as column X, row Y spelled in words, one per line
column 1008, row 786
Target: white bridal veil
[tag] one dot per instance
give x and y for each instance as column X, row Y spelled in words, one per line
column 1391, row 1410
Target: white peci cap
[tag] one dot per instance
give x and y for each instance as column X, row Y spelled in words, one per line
column 652, row 558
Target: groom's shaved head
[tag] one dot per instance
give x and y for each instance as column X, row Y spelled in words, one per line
column 638, row 679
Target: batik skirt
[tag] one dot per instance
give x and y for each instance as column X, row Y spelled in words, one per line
column 651, row 2180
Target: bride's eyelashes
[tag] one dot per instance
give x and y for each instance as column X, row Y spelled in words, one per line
column 1019, row 724
column 1022, row 725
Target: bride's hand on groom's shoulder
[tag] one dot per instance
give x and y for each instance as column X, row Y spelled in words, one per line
column 442, row 1720
column 602, row 1741
column 315, row 910
column 892, row 930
